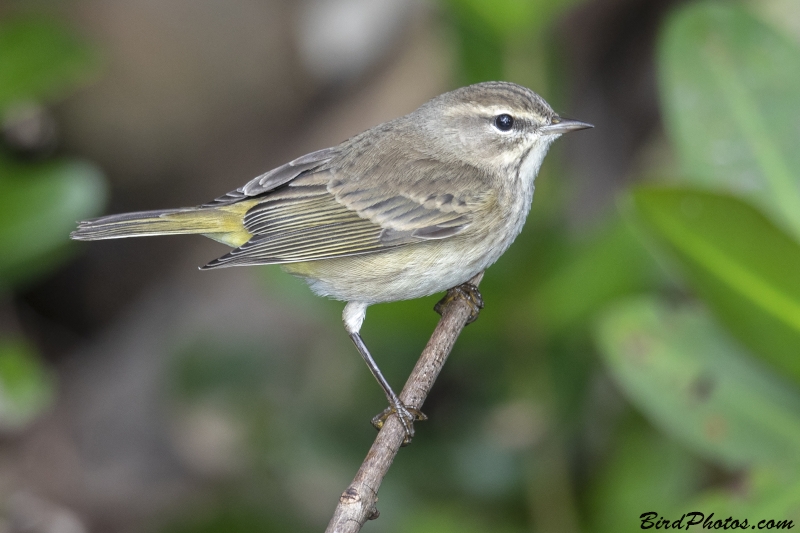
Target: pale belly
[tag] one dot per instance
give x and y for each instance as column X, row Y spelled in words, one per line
column 401, row 273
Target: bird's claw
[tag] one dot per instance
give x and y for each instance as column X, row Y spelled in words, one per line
column 467, row 292
column 407, row 416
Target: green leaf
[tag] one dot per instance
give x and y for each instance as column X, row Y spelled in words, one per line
column 40, row 60
column 39, row 204
column 739, row 262
column 26, row 389
column 698, row 386
column 730, row 88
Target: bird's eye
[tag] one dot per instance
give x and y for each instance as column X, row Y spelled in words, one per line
column 504, row 122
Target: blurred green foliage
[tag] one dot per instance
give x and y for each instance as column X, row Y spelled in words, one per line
column 26, row 387
column 39, row 204
column 502, row 39
column 40, row 63
column 730, row 88
column 592, row 276
column 742, row 265
column 697, row 385
column 644, row 471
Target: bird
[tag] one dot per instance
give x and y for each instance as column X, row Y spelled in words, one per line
column 414, row 206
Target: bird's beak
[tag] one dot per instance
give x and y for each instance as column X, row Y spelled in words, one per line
column 560, row 125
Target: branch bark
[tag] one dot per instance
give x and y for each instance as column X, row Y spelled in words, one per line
column 357, row 502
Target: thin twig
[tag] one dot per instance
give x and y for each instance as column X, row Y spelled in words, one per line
column 357, row 503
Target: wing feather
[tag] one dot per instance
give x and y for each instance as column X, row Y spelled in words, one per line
column 276, row 177
column 307, row 211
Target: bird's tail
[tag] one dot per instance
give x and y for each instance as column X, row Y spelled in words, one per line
column 224, row 225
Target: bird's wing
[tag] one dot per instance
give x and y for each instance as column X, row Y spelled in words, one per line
column 320, row 214
column 275, row 178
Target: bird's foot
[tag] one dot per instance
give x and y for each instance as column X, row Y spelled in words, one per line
column 407, row 416
column 469, row 293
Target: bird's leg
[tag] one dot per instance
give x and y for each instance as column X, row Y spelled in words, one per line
column 353, row 316
column 469, row 293
column 407, row 415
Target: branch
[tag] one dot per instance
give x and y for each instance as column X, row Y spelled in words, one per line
column 357, row 503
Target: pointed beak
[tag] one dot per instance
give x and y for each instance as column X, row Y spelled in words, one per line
column 560, row 125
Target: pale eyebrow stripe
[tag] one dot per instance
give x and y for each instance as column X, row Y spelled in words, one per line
column 491, row 111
